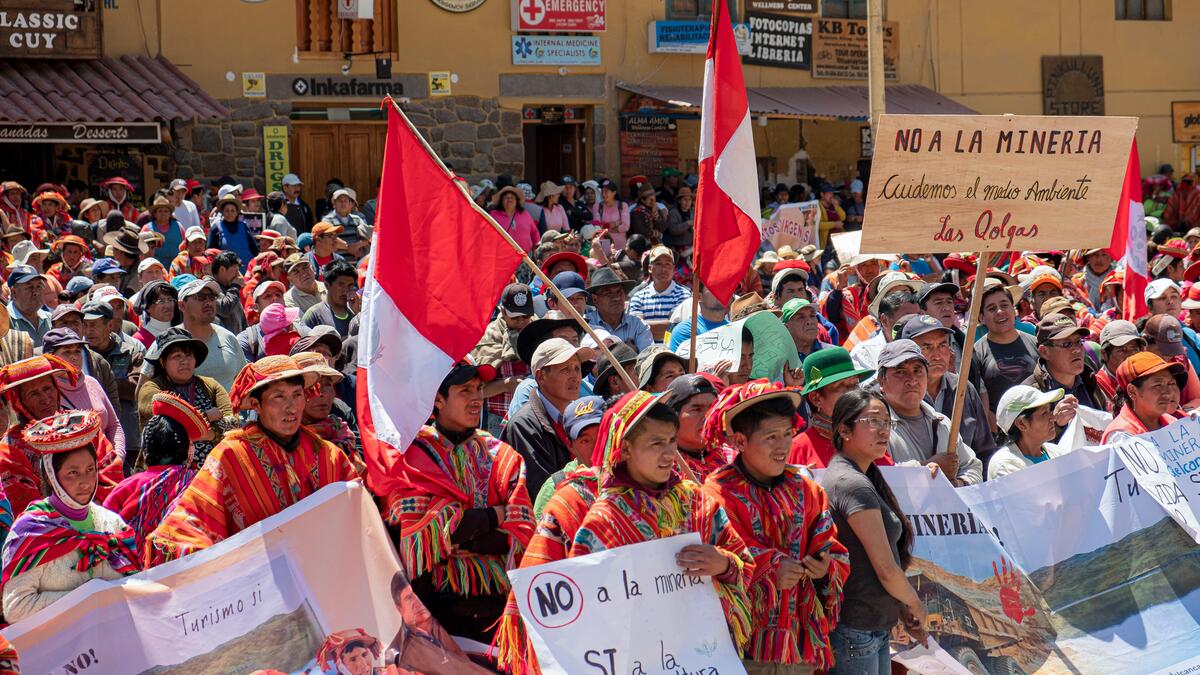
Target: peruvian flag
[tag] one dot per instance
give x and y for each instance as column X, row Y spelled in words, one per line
column 1129, row 240
column 728, row 221
column 437, row 267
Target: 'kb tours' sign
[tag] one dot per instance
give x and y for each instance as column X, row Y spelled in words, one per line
column 947, row 183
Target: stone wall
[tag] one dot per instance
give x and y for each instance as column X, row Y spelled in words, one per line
column 208, row 149
column 472, row 135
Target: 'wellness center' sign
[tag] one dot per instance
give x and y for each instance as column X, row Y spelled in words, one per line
column 947, row 183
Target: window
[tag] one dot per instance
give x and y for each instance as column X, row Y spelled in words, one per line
column 844, row 9
column 320, row 34
column 691, row 10
column 1143, row 10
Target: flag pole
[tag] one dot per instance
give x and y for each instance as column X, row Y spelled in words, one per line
column 564, row 304
column 964, row 368
column 695, row 311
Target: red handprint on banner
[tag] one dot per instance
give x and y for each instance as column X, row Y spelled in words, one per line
column 1010, row 591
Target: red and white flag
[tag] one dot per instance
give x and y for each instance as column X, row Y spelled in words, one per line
column 728, row 215
column 1129, row 240
column 436, row 270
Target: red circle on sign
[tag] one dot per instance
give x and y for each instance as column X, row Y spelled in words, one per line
column 551, row 584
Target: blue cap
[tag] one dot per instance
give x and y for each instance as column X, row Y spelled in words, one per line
column 78, row 285
column 106, row 266
column 581, row 414
column 304, row 241
column 21, row 274
column 181, row 280
column 570, row 283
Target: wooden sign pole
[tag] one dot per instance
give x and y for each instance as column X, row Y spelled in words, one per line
column 964, row 368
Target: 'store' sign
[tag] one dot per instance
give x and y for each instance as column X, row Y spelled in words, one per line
column 950, row 183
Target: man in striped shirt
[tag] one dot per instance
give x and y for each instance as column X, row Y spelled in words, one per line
column 655, row 301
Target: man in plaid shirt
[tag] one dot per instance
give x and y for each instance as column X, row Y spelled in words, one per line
column 655, row 301
column 498, row 348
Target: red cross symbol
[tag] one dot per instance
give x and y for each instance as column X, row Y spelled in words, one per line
column 533, row 11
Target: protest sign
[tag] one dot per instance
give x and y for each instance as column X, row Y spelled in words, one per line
column 794, row 225
column 950, row 183
column 840, row 49
column 266, row 598
column 774, row 349
column 1166, row 464
column 627, row 610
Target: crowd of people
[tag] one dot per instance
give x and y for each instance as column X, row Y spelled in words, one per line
column 176, row 374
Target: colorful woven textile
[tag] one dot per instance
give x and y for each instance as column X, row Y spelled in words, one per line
column 42, row 534
column 144, row 499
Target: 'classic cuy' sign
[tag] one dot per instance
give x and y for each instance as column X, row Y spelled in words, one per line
column 949, row 183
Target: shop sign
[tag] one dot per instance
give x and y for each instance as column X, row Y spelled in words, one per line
column 577, row 16
column 1072, row 85
column 647, row 123
column 555, row 50
column 690, row 37
column 275, row 156
column 59, row 29
column 254, row 85
column 779, row 40
column 787, row 6
column 551, row 114
column 80, row 132
column 866, row 146
column 458, row 6
column 127, row 163
column 1185, row 121
column 439, row 83
column 330, row 86
column 840, row 49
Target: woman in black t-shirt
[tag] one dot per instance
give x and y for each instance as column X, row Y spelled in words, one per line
column 879, row 538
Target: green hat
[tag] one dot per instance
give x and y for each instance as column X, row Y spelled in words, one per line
column 829, row 365
column 671, row 171
column 791, row 307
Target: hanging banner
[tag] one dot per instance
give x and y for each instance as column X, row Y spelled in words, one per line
column 1166, row 465
column 627, row 610
column 574, row 16
column 690, row 37
column 266, row 598
column 774, row 349
column 947, row 183
column 275, row 156
column 840, row 49
column 794, row 225
column 779, row 40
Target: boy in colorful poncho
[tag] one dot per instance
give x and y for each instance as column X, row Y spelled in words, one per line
column 783, row 516
column 462, row 509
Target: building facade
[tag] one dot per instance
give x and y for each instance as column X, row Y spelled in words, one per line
column 543, row 88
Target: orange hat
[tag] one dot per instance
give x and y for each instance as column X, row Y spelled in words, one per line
column 69, row 239
column 63, row 432
column 267, row 370
column 1142, row 364
column 51, row 196
column 116, row 180
column 322, row 228
column 174, row 407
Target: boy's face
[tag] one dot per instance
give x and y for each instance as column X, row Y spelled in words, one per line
column 765, row 451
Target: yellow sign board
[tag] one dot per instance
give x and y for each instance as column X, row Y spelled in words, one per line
column 254, row 85
column 275, row 155
column 1185, row 118
column 957, row 183
column 439, row 83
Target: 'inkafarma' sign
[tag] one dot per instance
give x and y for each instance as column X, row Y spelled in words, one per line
column 59, row 29
column 345, row 87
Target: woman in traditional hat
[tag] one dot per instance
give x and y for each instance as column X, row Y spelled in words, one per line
column 556, row 216
column 116, row 190
column 320, row 405
column 71, row 251
column 51, row 218
column 31, row 388
column 174, row 357
column 145, row 498
column 163, row 223
column 254, row 472
column 12, row 204
column 158, row 306
column 508, row 210
column 84, row 392
column 66, row 539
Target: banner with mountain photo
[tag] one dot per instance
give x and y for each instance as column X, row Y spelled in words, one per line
column 1064, row 567
column 315, row 589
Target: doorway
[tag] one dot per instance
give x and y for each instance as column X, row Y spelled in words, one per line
column 351, row 151
column 554, row 150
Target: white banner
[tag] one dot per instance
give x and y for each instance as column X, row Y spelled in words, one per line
column 1166, row 463
column 628, row 610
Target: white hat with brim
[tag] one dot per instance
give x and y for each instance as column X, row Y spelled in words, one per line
column 893, row 281
column 556, row 351
column 1156, row 288
column 1020, row 398
column 860, row 258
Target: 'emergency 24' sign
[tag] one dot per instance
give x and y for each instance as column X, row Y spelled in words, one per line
column 558, row 15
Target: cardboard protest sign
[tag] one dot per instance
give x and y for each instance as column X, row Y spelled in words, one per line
column 774, row 349
column 1166, row 464
column 266, row 598
column 627, row 610
column 794, row 225
column 949, row 183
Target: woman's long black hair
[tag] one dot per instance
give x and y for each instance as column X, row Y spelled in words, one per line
column 847, row 409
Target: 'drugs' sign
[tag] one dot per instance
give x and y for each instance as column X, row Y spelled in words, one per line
column 628, row 610
column 946, row 183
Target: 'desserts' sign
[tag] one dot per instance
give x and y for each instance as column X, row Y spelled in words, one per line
column 948, row 183
column 628, row 610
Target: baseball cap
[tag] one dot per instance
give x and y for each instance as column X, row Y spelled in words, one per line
column 148, row 263
column 97, row 310
column 917, row 325
column 570, row 283
column 194, row 233
column 929, row 289
column 1159, row 286
column 516, row 300
column 464, row 370
column 196, row 285
column 581, row 414
column 556, row 351
column 326, row 228
column 1057, row 305
column 1118, row 333
column 1043, row 274
column 1142, row 364
column 1020, row 398
column 686, row 386
column 107, row 294
column 78, row 285
column 63, row 310
column 291, row 179
column 1057, row 326
column 105, row 266
column 900, row 351
column 659, row 251
column 22, row 274
column 1165, row 332
column 262, row 288
column 791, row 307
column 346, row 192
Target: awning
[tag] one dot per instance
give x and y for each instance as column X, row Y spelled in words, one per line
column 848, row 103
column 124, row 89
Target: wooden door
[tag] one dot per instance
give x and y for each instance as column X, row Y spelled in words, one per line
column 558, row 151
column 351, row 151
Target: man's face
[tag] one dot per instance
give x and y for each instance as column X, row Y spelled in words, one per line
column 662, row 270
column 176, row 196
column 649, row 452
column 291, row 192
column 1115, row 355
column 118, row 192
column 49, row 208
column 71, row 254
column 153, row 273
column 226, row 275
column 1100, row 262
column 358, row 661
column 200, row 307
column 888, row 321
column 568, row 333
column 271, row 296
column 516, row 324
column 317, row 408
column 96, row 332
column 578, row 301
column 792, row 288
column 804, row 327
column 560, row 382
column 867, row 271
column 904, row 386
column 113, row 279
column 691, row 420
column 13, row 196
column 73, row 321
column 935, row 345
column 39, row 397
column 765, row 451
column 1042, row 293
column 581, row 447
column 941, row 307
column 280, row 408
column 1168, row 302
column 342, row 205
column 709, row 301
column 826, row 397
column 998, row 313
column 745, row 364
column 1064, row 355
column 341, row 288
column 609, row 300
column 28, row 296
